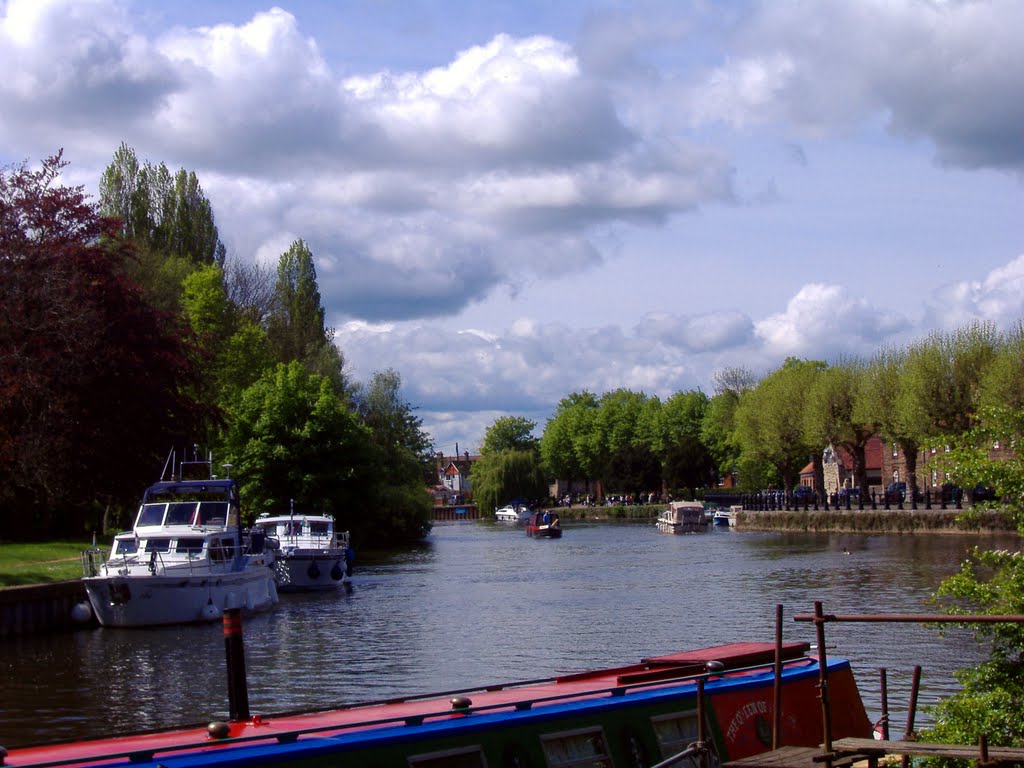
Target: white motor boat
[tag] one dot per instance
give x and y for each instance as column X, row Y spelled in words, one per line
column 727, row 516
column 513, row 512
column 185, row 560
column 311, row 555
column 682, row 517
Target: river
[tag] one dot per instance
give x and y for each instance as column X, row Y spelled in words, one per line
column 480, row 602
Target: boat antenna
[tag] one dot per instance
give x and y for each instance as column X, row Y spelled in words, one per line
column 168, row 461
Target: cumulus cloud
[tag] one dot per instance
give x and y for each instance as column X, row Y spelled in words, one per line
column 948, row 72
column 825, row 318
column 998, row 298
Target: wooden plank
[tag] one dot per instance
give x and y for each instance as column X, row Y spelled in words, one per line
column 926, row 749
column 783, row 757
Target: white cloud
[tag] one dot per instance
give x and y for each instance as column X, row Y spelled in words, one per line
column 998, row 298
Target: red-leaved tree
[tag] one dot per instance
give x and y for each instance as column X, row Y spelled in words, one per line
column 94, row 383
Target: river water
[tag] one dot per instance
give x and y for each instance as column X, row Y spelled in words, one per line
column 480, row 602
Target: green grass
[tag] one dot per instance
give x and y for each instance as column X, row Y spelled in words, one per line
column 40, row 562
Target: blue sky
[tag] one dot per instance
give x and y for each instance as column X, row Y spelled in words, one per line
column 512, row 201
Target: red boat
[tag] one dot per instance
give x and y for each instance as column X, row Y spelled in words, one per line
column 544, row 525
column 621, row 717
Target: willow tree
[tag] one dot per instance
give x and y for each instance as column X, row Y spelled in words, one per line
column 508, row 468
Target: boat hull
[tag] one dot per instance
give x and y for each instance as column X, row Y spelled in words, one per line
column 315, row 571
column 141, row 601
column 626, row 716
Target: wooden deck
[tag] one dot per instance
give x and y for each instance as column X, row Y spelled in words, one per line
column 846, row 752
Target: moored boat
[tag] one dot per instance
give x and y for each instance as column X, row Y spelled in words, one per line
column 726, row 516
column 682, row 517
column 311, row 555
column 185, row 560
column 544, row 525
column 619, row 717
column 513, row 512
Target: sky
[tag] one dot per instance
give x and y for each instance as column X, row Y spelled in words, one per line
column 509, row 201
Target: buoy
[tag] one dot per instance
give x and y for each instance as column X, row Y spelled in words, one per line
column 81, row 612
column 336, row 573
column 210, row 611
column 218, row 730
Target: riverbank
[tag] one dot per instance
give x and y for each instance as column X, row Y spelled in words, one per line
column 884, row 521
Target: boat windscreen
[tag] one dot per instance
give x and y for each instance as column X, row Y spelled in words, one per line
column 213, row 513
column 318, row 528
column 180, row 513
column 151, row 514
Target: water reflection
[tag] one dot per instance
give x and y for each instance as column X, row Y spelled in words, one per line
column 482, row 603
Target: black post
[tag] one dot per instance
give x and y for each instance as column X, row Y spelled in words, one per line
column 234, row 652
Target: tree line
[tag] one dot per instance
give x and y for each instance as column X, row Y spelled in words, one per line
column 128, row 331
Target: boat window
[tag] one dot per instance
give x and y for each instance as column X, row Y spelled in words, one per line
column 151, row 514
column 578, row 749
column 228, row 545
column 318, row 529
column 180, row 513
column 192, row 546
column 212, row 513
column 125, row 547
column 467, row 757
column 216, row 553
column 157, row 545
column 678, row 731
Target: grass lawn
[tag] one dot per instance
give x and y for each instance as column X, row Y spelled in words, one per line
column 40, row 562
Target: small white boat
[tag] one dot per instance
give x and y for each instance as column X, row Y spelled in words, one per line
column 682, row 517
column 727, row 516
column 311, row 555
column 513, row 512
column 185, row 560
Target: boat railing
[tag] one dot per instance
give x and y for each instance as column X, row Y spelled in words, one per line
column 461, row 706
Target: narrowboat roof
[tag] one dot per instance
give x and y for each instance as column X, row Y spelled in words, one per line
column 305, row 734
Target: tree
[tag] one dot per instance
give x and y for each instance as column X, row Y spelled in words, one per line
column 833, row 415
column 718, row 425
column 295, row 326
column 402, row 457
column 291, row 437
column 634, row 470
column 565, row 446
column 95, row 384
column 770, row 421
column 166, row 214
column 991, row 582
column 880, row 398
column 513, row 433
column 509, row 466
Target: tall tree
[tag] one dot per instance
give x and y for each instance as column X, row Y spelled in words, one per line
column 510, row 433
column 832, row 415
column 296, row 327
column 565, row 446
column 94, row 383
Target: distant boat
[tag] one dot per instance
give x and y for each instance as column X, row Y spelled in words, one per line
column 544, row 525
column 513, row 512
column 726, row 516
column 682, row 517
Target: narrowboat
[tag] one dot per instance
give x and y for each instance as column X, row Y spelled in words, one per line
column 622, row 717
column 544, row 525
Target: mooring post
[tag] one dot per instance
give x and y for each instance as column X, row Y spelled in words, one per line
column 777, row 691
column 234, row 652
column 908, row 734
column 885, row 703
column 826, row 709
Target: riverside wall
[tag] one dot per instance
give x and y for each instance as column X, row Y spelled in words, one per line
column 42, row 608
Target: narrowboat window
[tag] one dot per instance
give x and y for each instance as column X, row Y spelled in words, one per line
column 151, row 514
column 180, row 513
column 318, row 529
column 192, row 546
column 212, row 513
column 678, row 731
column 468, row 757
column 157, row 545
column 578, row 749
column 125, row 547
